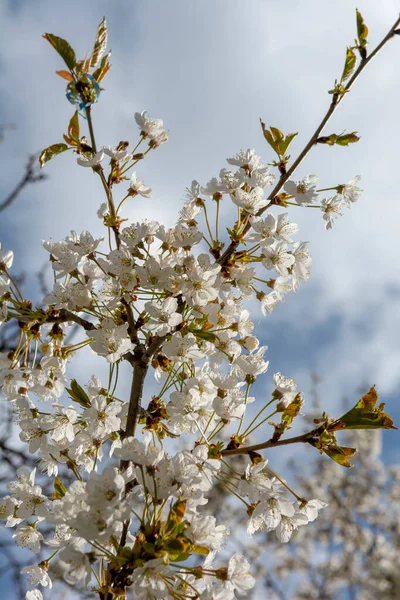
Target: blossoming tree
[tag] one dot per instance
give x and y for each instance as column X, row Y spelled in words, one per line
column 128, row 515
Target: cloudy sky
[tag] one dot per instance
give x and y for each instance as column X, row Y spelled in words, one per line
column 211, row 69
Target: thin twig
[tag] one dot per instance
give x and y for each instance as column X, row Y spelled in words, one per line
column 309, row 437
column 313, row 140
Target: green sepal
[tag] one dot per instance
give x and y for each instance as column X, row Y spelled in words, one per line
column 366, row 415
column 78, row 394
column 49, row 153
column 63, row 48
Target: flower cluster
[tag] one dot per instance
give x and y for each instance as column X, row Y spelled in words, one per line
column 172, row 302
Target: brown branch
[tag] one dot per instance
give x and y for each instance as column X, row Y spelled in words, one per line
column 313, row 140
column 67, row 315
column 310, row 437
column 30, row 176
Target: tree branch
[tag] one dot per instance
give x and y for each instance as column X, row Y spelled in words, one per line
column 309, row 437
column 30, row 176
column 313, row 140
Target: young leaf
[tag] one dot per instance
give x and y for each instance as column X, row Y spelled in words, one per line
column 59, row 488
column 50, row 152
column 340, row 140
column 284, row 145
column 340, row 454
column 362, row 30
column 103, row 69
column 349, row 64
column 100, row 44
column 65, row 75
column 292, row 410
column 73, row 127
column 275, row 138
column 63, row 48
column 78, row 394
column 366, row 415
column 347, row 138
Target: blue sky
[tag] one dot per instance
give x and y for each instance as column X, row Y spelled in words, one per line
column 210, row 69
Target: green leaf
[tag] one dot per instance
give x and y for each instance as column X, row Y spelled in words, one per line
column 65, row 75
column 347, row 138
column 78, row 394
column 341, row 140
column 284, row 145
column 59, row 488
column 63, row 48
column 362, row 30
column 269, row 137
column 50, row 152
column 293, row 409
column 73, row 127
column 104, row 67
column 276, row 139
column 349, row 64
column 366, row 415
column 100, row 44
column 340, row 454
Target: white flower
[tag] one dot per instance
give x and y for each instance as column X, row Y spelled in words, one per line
column 149, row 126
column 285, row 388
column 74, row 565
column 350, row 191
column 248, row 160
column 137, row 186
column 204, row 531
column 269, row 302
column 285, row 229
column 28, row 536
column 312, row 508
column 6, row 259
column 254, row 482
column 276, row 256
column 37, row 575
column 93, row 161
column 106, row 489
column 182, row 348
column 83, row 243
column 61, row 424
column 110, row 340
column 252, row 364
column 288, row 524
column 239, row 577
column 252, row 201
column 102, row 417
column 149, row 580
column 264, row 229
column 302, row 261
column 138, row 452
column 331, row 210
column 34, row 595
column 116, row 154
column 163, row 315
column 304, row 191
